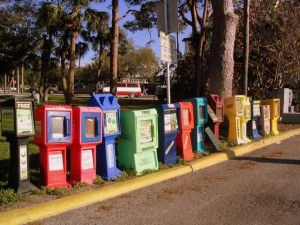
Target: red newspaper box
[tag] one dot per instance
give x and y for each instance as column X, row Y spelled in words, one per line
column 217, row 105
column 87, row 127
column 183, row 140
column 53, row 135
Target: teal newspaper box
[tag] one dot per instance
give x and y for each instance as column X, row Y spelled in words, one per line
column 200, row 119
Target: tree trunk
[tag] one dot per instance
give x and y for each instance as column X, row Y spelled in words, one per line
column 63, row 74
column 200, row 85
column 70, row 97
column 46, row 56
column 5, row 82
column 22, row 77
column 221, row 62
column 246, row 45
column 199, row 64
column 100, row 62
column 114, row 47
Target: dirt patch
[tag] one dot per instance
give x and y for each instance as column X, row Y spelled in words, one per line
column 271, row 155
column 246, row 165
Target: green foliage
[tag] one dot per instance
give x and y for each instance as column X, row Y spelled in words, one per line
column 274, row 47
column 162, row 166
column 18, row 35
column 148, row 171
column 144, row 18
column 8, row 196
column 126, row 175
column 48, row 191
column 79, row 184
column 137, row 62
column 99, row 181
column 182, row 161
column 185, row 76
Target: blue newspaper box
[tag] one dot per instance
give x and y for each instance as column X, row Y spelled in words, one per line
column 106, row 152
column 200, row 118
column 252, row 127
column 168, row 129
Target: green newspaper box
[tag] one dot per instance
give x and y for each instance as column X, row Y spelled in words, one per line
column 138, row 142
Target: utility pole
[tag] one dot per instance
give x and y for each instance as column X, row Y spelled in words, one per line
column 246, row 45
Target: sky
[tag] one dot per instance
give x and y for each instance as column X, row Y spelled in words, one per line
column 141, row 38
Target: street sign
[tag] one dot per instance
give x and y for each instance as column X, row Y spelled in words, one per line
column 167, row 16
column 168, row 48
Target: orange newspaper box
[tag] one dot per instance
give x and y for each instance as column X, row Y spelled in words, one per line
column 87, row 127
column 183, row 140
column 53, row 135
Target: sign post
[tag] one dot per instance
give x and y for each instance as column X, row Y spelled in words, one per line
column 168, row 54
column 167, row 21
column 167, row 18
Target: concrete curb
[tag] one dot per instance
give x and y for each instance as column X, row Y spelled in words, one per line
column 54, row 207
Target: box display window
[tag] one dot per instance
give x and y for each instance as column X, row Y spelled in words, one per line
column 247, row 112
column 238, row 106
column 219, row 113
column 170, row 120
column 256, row 110
column 90, row 127
column 145, row 131
column 111, row 122
column 276, row 108
column 24, row 121
column 201, row 112
column 186, row 119
column 58, row 126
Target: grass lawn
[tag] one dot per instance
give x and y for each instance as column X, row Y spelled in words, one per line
column 126, row 104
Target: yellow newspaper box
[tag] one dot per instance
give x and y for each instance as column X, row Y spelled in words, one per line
column 264, row 120
column 274, row 113
column 245, row 117
column 234, row 111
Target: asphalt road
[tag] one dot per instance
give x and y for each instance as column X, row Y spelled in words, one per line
column 258, row 188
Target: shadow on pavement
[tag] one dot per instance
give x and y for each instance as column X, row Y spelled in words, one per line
column 269, row 160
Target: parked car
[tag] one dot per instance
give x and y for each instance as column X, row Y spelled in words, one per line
column 34, row 89
column 52, row 88
column 124, row 89
column 81, row 88
column 176, row 92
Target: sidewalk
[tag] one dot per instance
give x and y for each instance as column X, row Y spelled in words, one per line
column 43, row 210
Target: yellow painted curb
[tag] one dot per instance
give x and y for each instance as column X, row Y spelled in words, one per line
column 43, row 210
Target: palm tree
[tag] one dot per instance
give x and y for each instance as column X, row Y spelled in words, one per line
column 69, row 22
column 81, row 49
column 49, row 21
column 97, row 24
